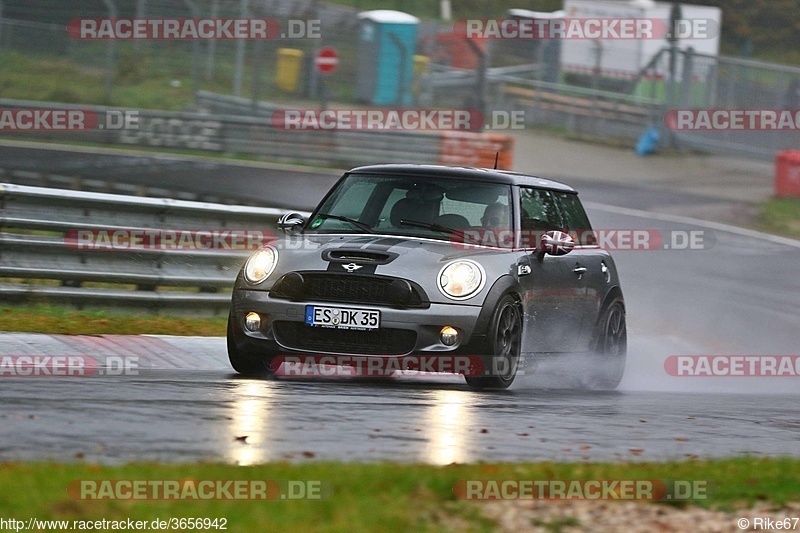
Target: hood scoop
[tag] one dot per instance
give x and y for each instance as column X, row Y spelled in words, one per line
column 359, row 256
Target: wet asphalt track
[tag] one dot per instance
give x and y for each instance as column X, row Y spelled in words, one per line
column 741, row 296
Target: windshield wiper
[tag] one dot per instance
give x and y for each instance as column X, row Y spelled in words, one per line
column 356, row 223
column 434, row 227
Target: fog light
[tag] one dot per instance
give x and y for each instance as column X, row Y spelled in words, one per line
column 448, row 335
column 252, row 322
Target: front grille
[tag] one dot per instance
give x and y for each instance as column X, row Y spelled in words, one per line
column 374, row 290
column 340, row 287
column 386, row 341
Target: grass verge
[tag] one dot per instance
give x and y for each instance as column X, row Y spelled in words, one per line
column 376, row 497
column 781, row 215
column 53, row 319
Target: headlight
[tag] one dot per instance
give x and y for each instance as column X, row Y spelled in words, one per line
column 260, row 265
column 460, row 280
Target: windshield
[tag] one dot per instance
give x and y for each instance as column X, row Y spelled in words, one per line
column 413, row 206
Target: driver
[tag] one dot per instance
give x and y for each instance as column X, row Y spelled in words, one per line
column 495, row 217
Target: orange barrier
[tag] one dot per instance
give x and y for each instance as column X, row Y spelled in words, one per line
column 787, row 173
column 463, row 148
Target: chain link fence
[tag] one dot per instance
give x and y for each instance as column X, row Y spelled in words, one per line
column 711, row 83
column 489, row 75
column 244, row 68
column 624, row 105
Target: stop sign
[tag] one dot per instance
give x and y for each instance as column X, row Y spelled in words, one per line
column 326, row 60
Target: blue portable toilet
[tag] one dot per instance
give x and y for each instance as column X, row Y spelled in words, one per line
column 387, row 43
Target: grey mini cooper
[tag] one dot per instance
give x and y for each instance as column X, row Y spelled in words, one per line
column 422, row 260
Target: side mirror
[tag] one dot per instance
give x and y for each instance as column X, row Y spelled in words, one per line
column 556, row 243
column 290, row 223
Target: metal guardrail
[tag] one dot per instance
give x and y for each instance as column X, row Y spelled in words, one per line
column 39, row 262
column 610, row 104
column 225, row 104
column 442, row 76
column 577, row 109
column 112, row 185
column 245, row 135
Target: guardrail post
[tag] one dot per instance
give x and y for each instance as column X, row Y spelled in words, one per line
column 596, row 73
column 712, row 82
column 481, row 78
column 212, row 44
column 141, row 10
column 687, row 77
column 675, row 16
column 240, row 44
column 255, row 86
column 195, row 69
column 110, row 52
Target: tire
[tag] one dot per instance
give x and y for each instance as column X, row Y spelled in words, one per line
column 611, row 348
column 244, row 363
column 502, row 348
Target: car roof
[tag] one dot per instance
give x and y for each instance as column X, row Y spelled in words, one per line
column 477, row 174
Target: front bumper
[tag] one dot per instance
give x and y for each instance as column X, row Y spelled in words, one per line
column 402, row 331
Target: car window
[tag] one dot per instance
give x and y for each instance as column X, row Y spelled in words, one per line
column 349, row 199
column 575, row 219
column 539, row 210
column 473, row 212
column 395, row 196
column 388, row 202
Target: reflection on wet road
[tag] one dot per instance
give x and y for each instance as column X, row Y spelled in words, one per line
column 186, row 415
column 739, row 298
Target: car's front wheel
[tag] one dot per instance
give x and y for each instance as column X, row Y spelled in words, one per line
column 503, row 346
column 243, row 362
column 611, row 348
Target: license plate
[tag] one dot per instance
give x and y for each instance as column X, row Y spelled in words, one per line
column 342, row 317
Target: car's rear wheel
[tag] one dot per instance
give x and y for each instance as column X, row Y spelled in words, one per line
column 503, row 346
column 611, row 348
column 243, row 362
